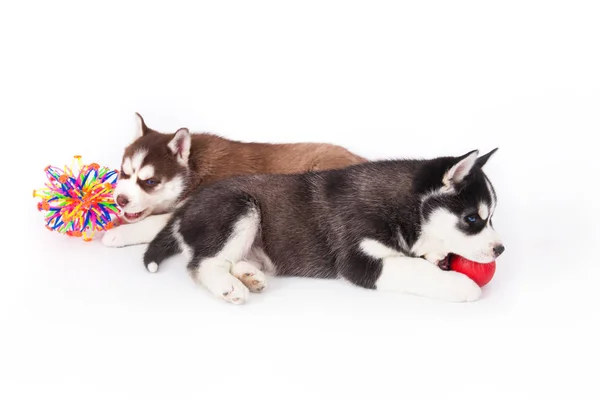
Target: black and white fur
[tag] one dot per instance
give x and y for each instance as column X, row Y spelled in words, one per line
column 386, row 225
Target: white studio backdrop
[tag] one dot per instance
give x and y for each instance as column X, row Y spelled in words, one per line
column 384, row 79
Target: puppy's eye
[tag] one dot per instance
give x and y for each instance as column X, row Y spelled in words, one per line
column 151, row 182
column 471, row 219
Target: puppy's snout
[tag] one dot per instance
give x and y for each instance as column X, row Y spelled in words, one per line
column 499, row 249
column 122, row 200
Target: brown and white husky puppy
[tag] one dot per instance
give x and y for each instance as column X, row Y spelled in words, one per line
column 160, row 170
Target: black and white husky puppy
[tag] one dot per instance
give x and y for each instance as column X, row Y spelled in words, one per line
column 384, row 225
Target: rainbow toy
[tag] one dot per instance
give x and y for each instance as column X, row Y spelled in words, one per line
column 78, row 200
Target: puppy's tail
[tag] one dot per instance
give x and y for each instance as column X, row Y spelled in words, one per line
column 163, row 246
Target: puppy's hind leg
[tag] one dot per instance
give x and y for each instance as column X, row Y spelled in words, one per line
column 250, row 274
column 215, row 272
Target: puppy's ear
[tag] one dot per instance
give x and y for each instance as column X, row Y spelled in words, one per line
column 140, row 126
column 484, row 159
column 459, row 170
column 180, row 145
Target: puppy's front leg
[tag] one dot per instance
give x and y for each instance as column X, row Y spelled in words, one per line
column 420, row 277
column 137, row 233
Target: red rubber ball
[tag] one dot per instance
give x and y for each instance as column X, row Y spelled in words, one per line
column 482, row 274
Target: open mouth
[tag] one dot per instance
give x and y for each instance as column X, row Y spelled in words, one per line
column 133, row 216
column 445, row 263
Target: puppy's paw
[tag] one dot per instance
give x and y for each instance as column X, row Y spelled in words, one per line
column 457, row 287
column 256, row 282
column 115, row 237
column 253, row 278
column 230, row 289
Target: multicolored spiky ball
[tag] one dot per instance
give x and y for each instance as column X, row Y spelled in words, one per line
column 79, row 200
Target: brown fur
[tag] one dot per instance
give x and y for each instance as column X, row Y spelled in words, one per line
column 213, row 158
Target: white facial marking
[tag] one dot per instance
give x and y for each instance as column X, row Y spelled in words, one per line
column 138, row 159
column 127, row 168
column 162, row 198
column 440, row 235
column 128, row 186
column 146, row 172
column 166, row 194
column 484, row 212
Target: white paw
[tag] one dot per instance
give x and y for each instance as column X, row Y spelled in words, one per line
column 457, row 288
column 256, row 282
column 114, row 237
column 230, row 289
column 252, row 277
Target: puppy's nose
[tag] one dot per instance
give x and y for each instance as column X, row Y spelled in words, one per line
column 122, row 201
column 499, row 249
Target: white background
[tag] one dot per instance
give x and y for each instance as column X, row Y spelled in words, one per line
column 418, row 79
